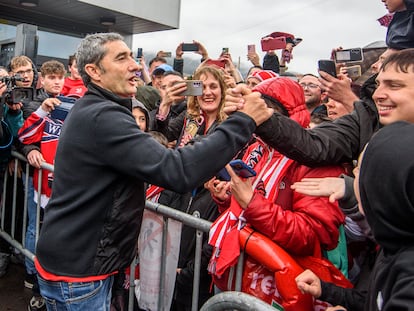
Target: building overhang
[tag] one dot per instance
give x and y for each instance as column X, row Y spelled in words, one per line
column 80, row 17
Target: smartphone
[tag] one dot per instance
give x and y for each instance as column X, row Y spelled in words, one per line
column 354, row 72
column 349, row 55
column 277, row 43
column 194, row 88
column 139, row 52
column 189, row 47
column 224, row 50
column 239, row 167
column 327, row 66
column 216, row 62
column 251, row 48
column 166, row 54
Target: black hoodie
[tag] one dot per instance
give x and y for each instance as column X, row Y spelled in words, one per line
column 386, row 186
column 387, row 196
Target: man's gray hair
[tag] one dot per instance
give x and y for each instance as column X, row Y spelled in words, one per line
column 91, row 50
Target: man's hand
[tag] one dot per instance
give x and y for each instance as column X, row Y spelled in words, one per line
column 241, row 98
column 241, row 188
column 339, row 89
column 171, row 95
column 35, row 158
column 49, row 104
column 234, row 98
column 332, row 187
column 3, row 88
column 179, row 51
column 309, row 283
column 254, row 58
column 15, row 107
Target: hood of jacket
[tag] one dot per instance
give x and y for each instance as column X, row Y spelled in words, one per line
column 386, row 184
column 290, row 94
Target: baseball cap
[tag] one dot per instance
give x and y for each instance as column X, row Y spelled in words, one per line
column 162, row 68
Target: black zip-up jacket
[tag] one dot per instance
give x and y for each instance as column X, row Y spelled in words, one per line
column 339, row 141
column 93, row 218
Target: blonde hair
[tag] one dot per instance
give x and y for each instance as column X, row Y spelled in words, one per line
column 193, row 107
column 19, row 61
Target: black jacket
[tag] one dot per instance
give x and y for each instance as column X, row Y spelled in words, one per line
column 94, row 216
column 386, row 184
column 339, row 141
column 28, row 109
column 400, row 31
column 386, row 189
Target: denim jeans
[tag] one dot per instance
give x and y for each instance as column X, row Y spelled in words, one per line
column 77, row 296
column 30, row 240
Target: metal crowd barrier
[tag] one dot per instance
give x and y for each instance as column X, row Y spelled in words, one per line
column 235, row 300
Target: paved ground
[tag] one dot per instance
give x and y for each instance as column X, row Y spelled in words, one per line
column 13, row 295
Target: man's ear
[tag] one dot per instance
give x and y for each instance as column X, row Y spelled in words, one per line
column 42, row 80
column 324, row 96
column 93, row 71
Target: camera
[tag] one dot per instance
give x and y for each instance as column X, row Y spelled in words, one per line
column 14, row 94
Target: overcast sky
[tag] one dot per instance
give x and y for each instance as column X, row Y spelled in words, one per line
column 322, row 24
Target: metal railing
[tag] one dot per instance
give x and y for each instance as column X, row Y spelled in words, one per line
column 235, row 300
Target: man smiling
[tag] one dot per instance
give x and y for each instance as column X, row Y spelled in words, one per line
column 102, row 163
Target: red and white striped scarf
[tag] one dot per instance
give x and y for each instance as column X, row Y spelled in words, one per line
column 271, row 167
column 153, row 193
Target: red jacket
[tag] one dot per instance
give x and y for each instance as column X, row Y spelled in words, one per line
column 296, row 222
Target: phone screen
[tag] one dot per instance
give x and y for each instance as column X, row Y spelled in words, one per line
column 327, row 66
column 139, row 52
column 189, row 47
column 349, row 55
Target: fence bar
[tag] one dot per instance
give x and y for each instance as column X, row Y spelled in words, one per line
column 235, row 301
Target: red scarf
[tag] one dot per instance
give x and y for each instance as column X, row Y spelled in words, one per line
column 271, row 167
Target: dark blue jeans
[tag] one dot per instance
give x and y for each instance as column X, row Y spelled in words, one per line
column 77, row 296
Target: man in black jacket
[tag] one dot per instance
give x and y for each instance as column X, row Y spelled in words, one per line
column 339, row 141
column 93, row 218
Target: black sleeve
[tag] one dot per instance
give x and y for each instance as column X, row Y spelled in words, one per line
column 179, row 65
column 271, row 62
column 350, row 298
column 171, row 128
column 331, row 142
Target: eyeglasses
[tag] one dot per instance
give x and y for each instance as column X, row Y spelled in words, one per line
column 309, row 85
column 25, row 72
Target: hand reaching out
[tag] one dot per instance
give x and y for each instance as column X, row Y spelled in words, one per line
column 309, row 283
column 332, row 187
